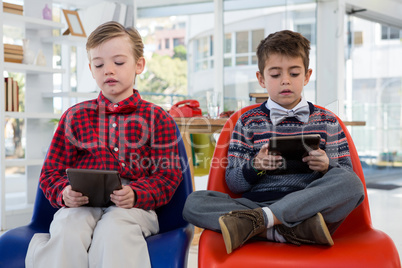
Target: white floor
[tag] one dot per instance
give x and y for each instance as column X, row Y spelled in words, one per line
column 385, row 207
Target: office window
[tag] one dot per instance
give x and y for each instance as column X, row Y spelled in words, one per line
column 227, row 50
column 211, row 52
column 240, row 47
column 388, row 33
column 374, row 96
column 307, row 30
column 164, row 80
column 256, row 37
column 204, row 53
column 246, row 46
column 241, row 42
column 178, row 42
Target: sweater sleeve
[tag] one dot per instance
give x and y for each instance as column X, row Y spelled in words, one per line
column 337, row 148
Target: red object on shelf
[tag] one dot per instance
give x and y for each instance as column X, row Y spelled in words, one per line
column 186, row 108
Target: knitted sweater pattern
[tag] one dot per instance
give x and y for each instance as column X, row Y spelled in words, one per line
column 254, row 129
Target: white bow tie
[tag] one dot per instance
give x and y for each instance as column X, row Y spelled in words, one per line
column 278, row 115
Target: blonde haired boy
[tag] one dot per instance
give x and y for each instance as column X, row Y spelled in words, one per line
column 116, row 131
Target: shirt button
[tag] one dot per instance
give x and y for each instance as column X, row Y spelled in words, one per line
column 123, row 164
column 116, row 149
column 114, row 125
column 116, row 105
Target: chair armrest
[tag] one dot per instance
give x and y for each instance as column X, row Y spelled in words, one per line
column 14, row 245
column 170, row 249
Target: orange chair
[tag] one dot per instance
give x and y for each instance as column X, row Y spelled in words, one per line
column 357, row 243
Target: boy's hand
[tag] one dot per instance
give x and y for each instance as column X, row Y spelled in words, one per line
column 72, row 198
column 124, row 198
column 265, row 161
column 317, row 160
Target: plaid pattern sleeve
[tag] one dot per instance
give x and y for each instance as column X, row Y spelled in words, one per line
column 161, row 162
column 60, row 155
column 135, row 137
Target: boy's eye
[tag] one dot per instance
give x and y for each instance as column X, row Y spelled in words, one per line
column 294, row 74
column 274, row 75
column 119, row 63
column 98, row 66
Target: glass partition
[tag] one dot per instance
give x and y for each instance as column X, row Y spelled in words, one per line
column 164, row 80
column 245, row 25
column 374, row 93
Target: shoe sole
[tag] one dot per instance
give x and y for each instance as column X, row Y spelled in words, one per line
column 325, row 229
column 226, row 236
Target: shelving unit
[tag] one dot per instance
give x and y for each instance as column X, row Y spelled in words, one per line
column 23, row 115
column 38, row 117
column 30, row 69
column 89, row 95
column 30, row 23
column 65, row 40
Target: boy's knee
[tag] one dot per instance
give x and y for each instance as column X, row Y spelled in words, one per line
column 194, row 197
column 192, row 203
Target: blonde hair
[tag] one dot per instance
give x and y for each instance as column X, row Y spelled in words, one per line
column 112, row 29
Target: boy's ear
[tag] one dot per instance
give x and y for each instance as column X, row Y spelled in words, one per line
column 307, row 76
column 90, row 69
column 140, row 65
column 260, row 79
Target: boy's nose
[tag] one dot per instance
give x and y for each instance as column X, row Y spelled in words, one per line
column 286, row 80
column 109, row 69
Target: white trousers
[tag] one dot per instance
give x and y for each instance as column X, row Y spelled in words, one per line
column 94, row 237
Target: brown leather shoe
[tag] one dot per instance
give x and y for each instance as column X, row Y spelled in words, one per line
column 239, row 226
column 311, row 231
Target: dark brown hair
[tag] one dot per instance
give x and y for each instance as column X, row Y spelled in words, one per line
column 287, row 43
column 114, row 29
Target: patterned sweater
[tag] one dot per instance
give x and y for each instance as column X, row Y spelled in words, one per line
column 254, row 128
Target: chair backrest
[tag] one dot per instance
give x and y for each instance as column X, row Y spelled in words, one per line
column 359, row 218
column 169, row 216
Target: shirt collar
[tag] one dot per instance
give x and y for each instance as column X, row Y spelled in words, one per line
column 133, row 100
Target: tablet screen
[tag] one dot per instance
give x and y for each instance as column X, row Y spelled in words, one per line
column 293, row 147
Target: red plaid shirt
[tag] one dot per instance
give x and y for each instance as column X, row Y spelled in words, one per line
column 135, row 137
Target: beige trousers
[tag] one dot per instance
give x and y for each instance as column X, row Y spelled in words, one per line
column 94, row 237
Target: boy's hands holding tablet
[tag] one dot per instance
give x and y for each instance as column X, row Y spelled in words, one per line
column 266, row 161
column 123, row 198
column 303, row 148
column 96, row 188
column 317, row 160
column 73, row 199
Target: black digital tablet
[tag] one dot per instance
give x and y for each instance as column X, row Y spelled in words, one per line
column 97, row 185
column 293, row 147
